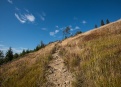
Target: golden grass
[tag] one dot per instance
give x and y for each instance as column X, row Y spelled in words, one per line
column 95, row 57
column 28, row 71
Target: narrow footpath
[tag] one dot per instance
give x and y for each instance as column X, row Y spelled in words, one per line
column 58, row 74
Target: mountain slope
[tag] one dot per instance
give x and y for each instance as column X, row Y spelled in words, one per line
column 90, row 59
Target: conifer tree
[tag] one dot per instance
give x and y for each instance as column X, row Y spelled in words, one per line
column 102, row 23
column 107, row 21
column 9, row 55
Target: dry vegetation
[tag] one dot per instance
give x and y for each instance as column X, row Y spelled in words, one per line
column 94, row 57
column 28, row 71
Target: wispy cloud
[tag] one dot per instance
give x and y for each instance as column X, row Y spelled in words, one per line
column 42, row 18
column 10, row 1
column 77, row 27
column 21, row 18
column 43, row 13
column 84, row 22
column 17, row 9
column 54, row 33
column 25, row 18
column 44, row 29
column 26, row 10
column 56, row 26
column 15, row 50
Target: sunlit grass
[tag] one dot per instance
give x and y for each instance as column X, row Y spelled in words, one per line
column 26, row 72
column 99, row 59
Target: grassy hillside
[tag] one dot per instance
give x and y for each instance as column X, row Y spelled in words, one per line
column 28, row 71
column 93, row 57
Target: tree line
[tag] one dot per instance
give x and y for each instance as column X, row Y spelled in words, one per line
column 9, row 55
column 102, row 23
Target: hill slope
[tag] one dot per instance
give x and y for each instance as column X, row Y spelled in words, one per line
column 91, row 59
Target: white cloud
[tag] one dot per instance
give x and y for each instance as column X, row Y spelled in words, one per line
column 72, row 29
column 15, row 50
column 30, row 17
column 77, row 27
column 10, row 1
column 84, row 22
column 24, row 18
column 21, row 19
column 56, row 31
column 53, row 33
column 42, row 18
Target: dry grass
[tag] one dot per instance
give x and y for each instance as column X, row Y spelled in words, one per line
column 28, row 71
column 95, row 57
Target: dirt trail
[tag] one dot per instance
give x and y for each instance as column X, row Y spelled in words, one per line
column 58, row 75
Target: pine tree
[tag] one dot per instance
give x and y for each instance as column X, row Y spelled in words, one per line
column 42, row 44
column 9, row 55
column 23, row 52
column 102, row 23
column 107, row 21
column 15, row 55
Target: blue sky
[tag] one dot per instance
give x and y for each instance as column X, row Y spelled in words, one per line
column 24, row 23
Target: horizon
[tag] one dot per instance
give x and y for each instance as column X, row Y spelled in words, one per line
column 25, row 23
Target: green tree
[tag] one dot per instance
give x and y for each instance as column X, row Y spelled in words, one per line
column 78, row 32
column 102, row 23
column 9, row 55
column 42, row 44
column 107, row 21
column 15, row 55
column 23, row 52
column 27, row 51
column 66, row 32
column 37, row 48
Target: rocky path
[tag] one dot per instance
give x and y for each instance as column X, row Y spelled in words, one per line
column 58, row 75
